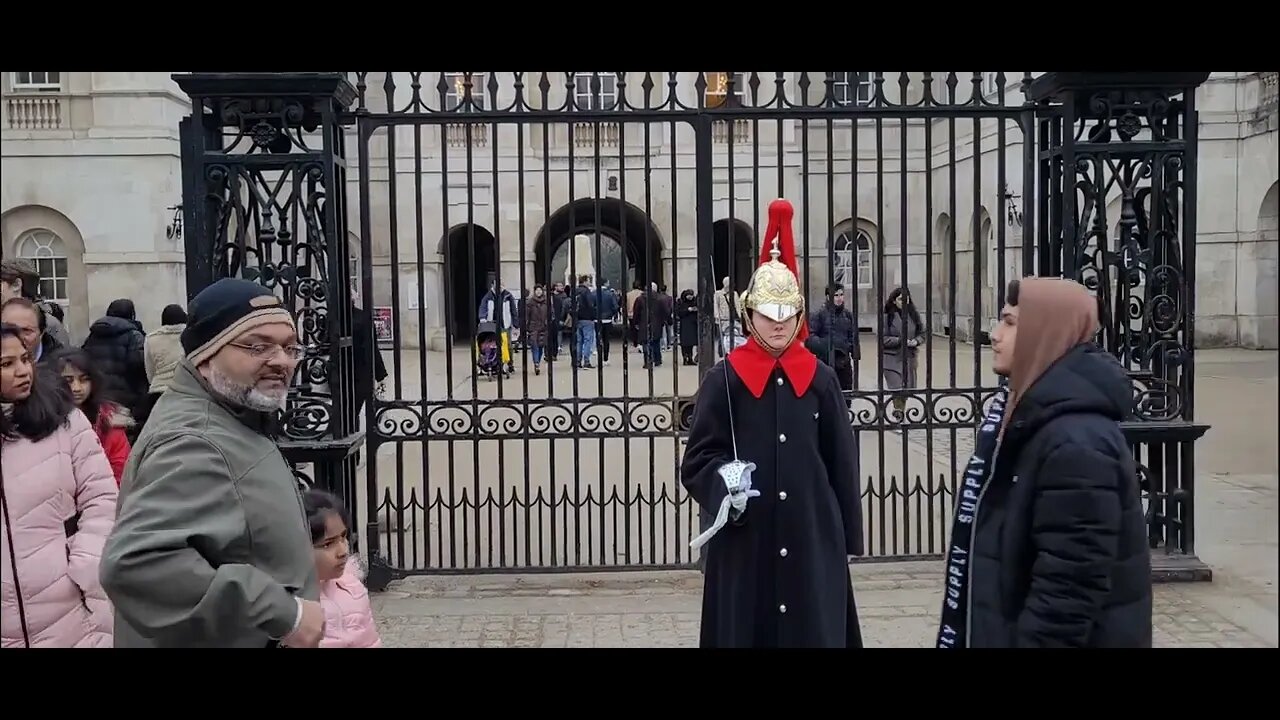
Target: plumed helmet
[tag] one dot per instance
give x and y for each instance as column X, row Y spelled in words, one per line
column 774, row 290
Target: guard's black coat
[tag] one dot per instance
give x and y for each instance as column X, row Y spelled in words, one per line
column 818, row 521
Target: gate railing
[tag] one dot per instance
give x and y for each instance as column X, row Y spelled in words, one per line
column 1136, row 132
column 265, row 196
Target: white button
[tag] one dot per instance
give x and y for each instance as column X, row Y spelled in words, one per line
column 782, row 495
column 779, row 381
column 782, row 608
column 783, row 552
column 815, row 416
column 782, row 438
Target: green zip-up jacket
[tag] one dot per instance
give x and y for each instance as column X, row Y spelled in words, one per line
column 211, row 543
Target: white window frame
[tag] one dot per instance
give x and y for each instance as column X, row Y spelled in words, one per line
column 851, row 88
column 714, row 90
column 989, row 86
column 457, row 90
column 854, row 271
column 42, row 246
column 606, row 99
column 353, row 271
column 16, row 82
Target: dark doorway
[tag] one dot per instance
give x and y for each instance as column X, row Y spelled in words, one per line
column 733, row 252
column 469, row 268
column 630, row 246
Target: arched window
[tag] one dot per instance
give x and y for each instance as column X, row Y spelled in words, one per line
column 853, row 261
column 49, row 254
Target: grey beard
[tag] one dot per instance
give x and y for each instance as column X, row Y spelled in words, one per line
column 244, row 395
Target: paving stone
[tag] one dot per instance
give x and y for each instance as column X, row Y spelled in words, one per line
column 898, row 605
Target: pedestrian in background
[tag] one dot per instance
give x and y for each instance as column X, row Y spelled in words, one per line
column 536, row 321
column 31, row 322
column 19, row 278
column 903, row 332
column 163, row 348
column 687, row 323
column 116, row 345
column 88, row 392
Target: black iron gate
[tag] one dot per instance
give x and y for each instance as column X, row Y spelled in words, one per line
column 945, row 185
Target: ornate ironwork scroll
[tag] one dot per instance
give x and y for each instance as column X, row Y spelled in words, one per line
column 1118, row 170
column 482, row 480
column 264, row 177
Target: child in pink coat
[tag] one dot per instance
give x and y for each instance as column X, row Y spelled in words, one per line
column 348, row 616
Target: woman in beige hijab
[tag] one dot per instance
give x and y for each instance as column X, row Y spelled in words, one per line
column 1050, row 541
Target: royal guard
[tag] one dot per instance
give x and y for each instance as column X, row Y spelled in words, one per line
column 771, row 456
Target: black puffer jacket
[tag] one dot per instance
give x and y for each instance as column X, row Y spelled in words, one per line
column 1060, row 554
column 834, row 329
column 116, row 347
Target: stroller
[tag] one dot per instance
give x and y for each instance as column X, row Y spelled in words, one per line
column 493, row 350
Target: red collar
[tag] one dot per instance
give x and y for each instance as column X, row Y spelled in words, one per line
column 754, row 365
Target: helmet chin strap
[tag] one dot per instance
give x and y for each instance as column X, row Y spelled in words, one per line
column 751, row 327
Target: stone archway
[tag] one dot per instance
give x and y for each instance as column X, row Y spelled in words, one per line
column 470, row 264
column 54, row 243
column 733, row 252
column 1269, row 215
column 1261, row 331
column 630, row 247
column 944, row 257
column 981, row 275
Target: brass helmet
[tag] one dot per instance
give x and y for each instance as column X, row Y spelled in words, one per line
column 774, row 289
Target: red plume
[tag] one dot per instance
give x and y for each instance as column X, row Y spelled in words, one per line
column 781, row 212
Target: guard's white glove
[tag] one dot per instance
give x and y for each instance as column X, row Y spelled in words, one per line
column 737, row 480
column 739, row 487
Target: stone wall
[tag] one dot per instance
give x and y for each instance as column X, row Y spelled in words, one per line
column 99, row 159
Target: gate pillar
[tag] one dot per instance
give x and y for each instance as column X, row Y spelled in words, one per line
column 264, row 196
column 1132, row 136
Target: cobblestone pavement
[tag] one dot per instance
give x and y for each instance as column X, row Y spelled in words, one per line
column 1236, row 496
column 898, row 605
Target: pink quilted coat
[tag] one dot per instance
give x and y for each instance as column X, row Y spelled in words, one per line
column 348, row 616
column 45, row 484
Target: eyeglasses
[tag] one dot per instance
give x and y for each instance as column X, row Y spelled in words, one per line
column 262, row 351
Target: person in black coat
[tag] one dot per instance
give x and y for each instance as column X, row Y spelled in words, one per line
column 116, row 346
column 687, row 322
column 835, row 336
column 771, row 456
column 1058, row 551
column 654, row 315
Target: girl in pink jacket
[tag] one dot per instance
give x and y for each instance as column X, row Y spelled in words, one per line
column 348, row 616
column 58, row 498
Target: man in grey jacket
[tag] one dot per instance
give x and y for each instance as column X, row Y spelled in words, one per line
column 211, row 546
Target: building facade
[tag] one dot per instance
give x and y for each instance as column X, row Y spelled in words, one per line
column 92, row 171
